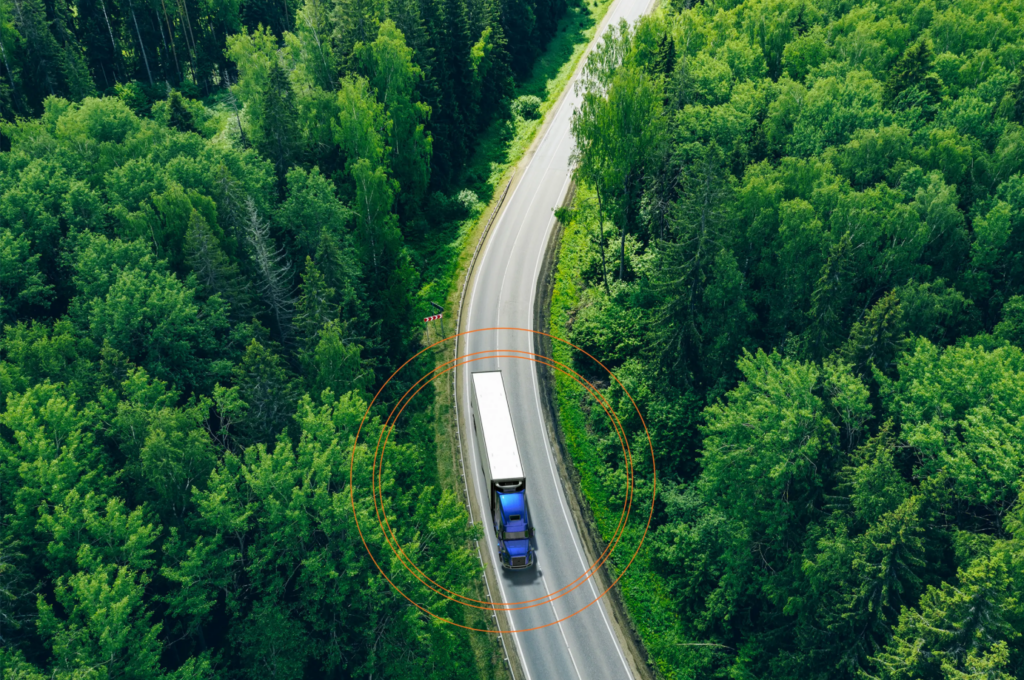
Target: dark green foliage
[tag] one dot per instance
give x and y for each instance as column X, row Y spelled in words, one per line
column 278, row 137
column 464, row 57
column 179, row 400
column 824, row 299
column 180, row 117
column 911, row 80
column 665, row 60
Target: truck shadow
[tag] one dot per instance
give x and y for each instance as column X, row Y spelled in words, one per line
column 522, row 577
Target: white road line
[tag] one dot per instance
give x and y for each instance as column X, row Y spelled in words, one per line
column 568, row 98
column 522, row 230
column 497, row 569
column 564, row 639
column 550, row 457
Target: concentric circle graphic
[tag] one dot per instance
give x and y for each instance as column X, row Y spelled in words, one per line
column 377, row 491
column 393, row 543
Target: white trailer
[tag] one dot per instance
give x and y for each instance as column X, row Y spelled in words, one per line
column 495, row 436
column 503, row 469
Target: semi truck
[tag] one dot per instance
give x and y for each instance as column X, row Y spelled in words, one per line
column 503, row 469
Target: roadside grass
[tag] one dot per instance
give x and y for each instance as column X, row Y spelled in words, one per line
column 644, row 592
column 443, row 257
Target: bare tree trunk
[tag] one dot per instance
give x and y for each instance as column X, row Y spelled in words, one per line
column 188, row 24
column 142, row 47
column 600, row 226
column 625, row 227
column 10, row 76
column 170, row 34
column 190, row 40
column 113, row 43
column 163, row 39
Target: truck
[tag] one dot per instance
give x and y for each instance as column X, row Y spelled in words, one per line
column 503, row 469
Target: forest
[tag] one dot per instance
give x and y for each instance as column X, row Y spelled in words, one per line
column 798, row 241
column 220, row 223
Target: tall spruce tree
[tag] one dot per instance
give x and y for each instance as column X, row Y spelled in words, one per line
column 279, row 137
column 912, row 81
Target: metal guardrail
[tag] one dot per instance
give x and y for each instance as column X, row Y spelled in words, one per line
column 455, row 401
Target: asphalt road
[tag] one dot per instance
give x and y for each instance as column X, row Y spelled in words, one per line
column 501, row 294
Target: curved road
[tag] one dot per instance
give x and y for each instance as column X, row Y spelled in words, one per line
column 501, row 294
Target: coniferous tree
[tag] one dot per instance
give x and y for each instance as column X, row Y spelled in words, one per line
column 279, row 137
column 271, row 269
column 267, row 388
column 215, row 272
column 1017, row 94
column 43, row 55
column 665, row 59
column 180, row 118
column 355, row 21
column 315, row 305
column 492, row 66
column 911, row 80
column 454, row 113
column 78, row 82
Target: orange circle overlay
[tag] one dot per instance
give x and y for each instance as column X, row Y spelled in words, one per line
column 433, row 585
column 389, row 425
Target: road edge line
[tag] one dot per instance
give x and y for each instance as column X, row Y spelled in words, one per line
column 629, row 639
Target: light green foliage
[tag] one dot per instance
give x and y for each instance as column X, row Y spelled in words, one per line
column 361, row 127
column 105, row 626
column 763, row 456
column 617, row 126
column 961, row 410
column 311, row 49
column 388, row 65
column 255, row 55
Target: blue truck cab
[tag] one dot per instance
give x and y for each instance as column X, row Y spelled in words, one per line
column 512, row 527
column 503, row 470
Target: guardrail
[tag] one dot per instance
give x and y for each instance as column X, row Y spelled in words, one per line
column 455, row 401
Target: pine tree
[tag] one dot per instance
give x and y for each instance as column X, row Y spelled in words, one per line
column 665, row 59
column 272, row 271
column 268, row 390
column 78, row 81
column 829, row 298
column 215, row 271
column 315, row 305
column 493, row 66
column 911, row 81
column 279, row 139
column 355, row 21
column 878, row 338
column 43, row 54
column 453, row 112
column 180, row 117
column 1017, row 95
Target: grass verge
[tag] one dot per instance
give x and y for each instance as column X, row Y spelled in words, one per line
column 644, row 593
column 445, row 257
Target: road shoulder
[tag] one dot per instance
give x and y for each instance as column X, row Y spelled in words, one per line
column 593, row 545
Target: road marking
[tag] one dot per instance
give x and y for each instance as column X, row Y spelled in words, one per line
column 550, row 457
column 564, row 639
column 569, row 97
